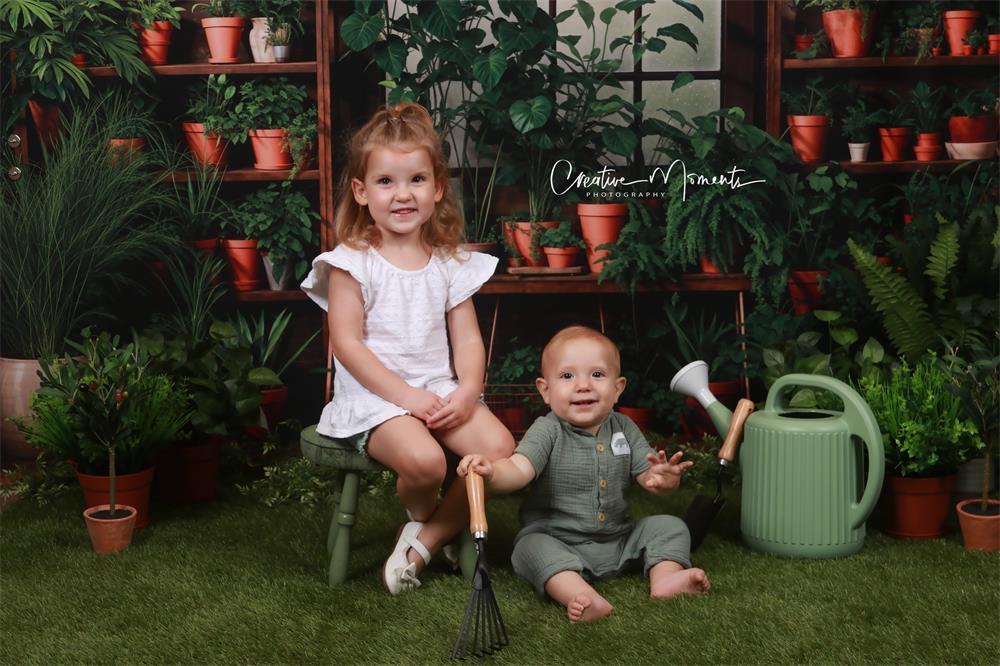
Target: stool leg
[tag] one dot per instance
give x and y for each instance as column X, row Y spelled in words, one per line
column 467, row 554
column 345, row 518
column 331, row 535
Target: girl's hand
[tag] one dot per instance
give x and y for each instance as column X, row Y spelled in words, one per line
column 422, row 404
column 475, row 463
column 458, row 408
column 664, row 475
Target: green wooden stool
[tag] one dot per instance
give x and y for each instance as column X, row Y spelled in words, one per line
column 333, row 453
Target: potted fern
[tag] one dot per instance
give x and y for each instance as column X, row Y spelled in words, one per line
column 928, row 107
column 857, row 126
column 895, row 129
column 562, row 246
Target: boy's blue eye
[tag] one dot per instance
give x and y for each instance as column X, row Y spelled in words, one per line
column 566, row 375
column 597, row 373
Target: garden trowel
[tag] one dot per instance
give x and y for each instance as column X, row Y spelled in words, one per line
column 704, row 509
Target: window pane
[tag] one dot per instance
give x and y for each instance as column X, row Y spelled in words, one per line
column 678, row 56
column 593, row 37
column 695, row 99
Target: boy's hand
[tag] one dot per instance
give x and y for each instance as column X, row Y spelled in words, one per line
column 476, row 463
column 457, row 408
column 664, row 475
column 422, row 404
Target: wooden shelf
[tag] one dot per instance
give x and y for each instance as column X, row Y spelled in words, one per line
column 267, row 296
column 906, row 166
column 891, row 62
column 250, row 174
column 203, row 68
column 587, row 284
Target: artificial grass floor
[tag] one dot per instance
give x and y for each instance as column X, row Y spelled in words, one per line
column 237, row 582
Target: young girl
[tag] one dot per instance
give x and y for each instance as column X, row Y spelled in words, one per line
column 397, row 290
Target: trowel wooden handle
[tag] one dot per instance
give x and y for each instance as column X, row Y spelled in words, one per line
column 735, row 433
column 477, row 503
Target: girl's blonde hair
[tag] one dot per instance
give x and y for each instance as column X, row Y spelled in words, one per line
column 409, row 126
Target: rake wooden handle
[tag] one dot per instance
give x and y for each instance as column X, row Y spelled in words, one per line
column 477, row 504
column 728, row 451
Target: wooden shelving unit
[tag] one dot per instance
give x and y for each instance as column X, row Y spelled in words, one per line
column 891, row 62
column 250, row 175
column 588, row 284
column 204, row 69
column 907, row 166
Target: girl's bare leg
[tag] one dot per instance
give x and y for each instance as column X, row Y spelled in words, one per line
column 405, row 445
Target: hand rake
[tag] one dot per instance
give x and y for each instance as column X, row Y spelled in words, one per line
column 482, row 614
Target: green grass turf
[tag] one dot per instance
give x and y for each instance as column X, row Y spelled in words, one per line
column 237, row 582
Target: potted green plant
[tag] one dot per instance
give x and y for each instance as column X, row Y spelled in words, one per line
column 105, row 411
column 214, row 123
column 972, row 116
column 265, row 109
column 224, row 28
column 263, row 336
column 48, row 42
column 928, row 108
column 895, row 129
column 808, row 116
column 562, row 246
column 155, row 20
column 512, row 385
column 848, row 25
column 974, row 42
column 922, row 23
column 975, row 380
column 926, row 436
column 195, row 209
column 133, row 125
column 73, row 234
column 637, row 255
column 283, row 223
column 275, row 24
column 242, row 254
column 857, row 126
column 300, row 139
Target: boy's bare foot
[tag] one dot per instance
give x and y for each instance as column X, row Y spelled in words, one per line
column 686, row 581
column 584, row 609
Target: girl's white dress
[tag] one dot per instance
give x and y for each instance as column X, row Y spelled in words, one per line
column 404, row 327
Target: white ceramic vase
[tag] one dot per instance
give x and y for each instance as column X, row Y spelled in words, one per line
column 859, row 151
column 282, row 283
column 18, row 380
column 259, row 48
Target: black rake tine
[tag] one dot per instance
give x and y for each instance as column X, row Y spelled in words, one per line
column 498, row 623
column 458, row 652
column 488, row 612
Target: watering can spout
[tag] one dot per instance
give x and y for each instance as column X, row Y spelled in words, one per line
column 692, row 381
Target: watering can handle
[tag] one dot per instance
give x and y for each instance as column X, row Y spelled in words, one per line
column 860, row 423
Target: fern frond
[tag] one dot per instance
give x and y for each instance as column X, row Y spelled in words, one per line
column 943, row 256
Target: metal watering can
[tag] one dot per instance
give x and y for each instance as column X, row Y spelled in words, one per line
column 803, row 469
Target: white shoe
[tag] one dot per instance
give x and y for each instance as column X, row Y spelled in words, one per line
column 399, row 574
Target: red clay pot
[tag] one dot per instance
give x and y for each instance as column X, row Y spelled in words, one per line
column 130, row 489
column 967, row 50
column 125, row 149
column 223, row 35
column 972, row 129
column 272, row 403
column 979, row 532
column 642, row 417
column 918, row 507
column 936, row 51
column 927, row 153
column 208, row 149
column 927, row 139
column 110, row 535
column 809, row 136
column 802, row 42
column 244, row 263
column 843, row 28
column 79, row 60
column 895, row 142
column 269, row 150
column 523, row 236
column 562, row 257
column 600, row 224
column 994, row 42
column 957, row 24
column 155, row 42
column 805, row 291
column 47, row 120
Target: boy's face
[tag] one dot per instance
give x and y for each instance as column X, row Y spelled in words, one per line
column 581, row 383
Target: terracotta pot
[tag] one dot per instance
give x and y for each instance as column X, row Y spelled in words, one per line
column 957, row 24
column 562, row 257
column 515, row 417
column 155, row 42
column 936, row 51
column 223, row 36
column 802, row 42
column 244, row 263
column 979, row 532
column 47, row 120
column 209, row 149
column 695, row 421
column 110, row 535
column 843, row 28
column 600, row 224
column 809, row 136
column 918, row 507
column 79, row 60
column 707, row 266
column 967, row 50
column 131, row 489
column 523, row 240
column 927, row 153
column 188, row 473
column 125, row 149
column 994, row 42
column 928, row 139
column 805, row 291
column 859, row 151
column 272, row 403
column 895, row 142
column 642, row 417
column 972, row 129
column 206, row 246
column 269, row 150
column 18, row 380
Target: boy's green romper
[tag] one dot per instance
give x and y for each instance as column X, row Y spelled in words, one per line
column 576, row 517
